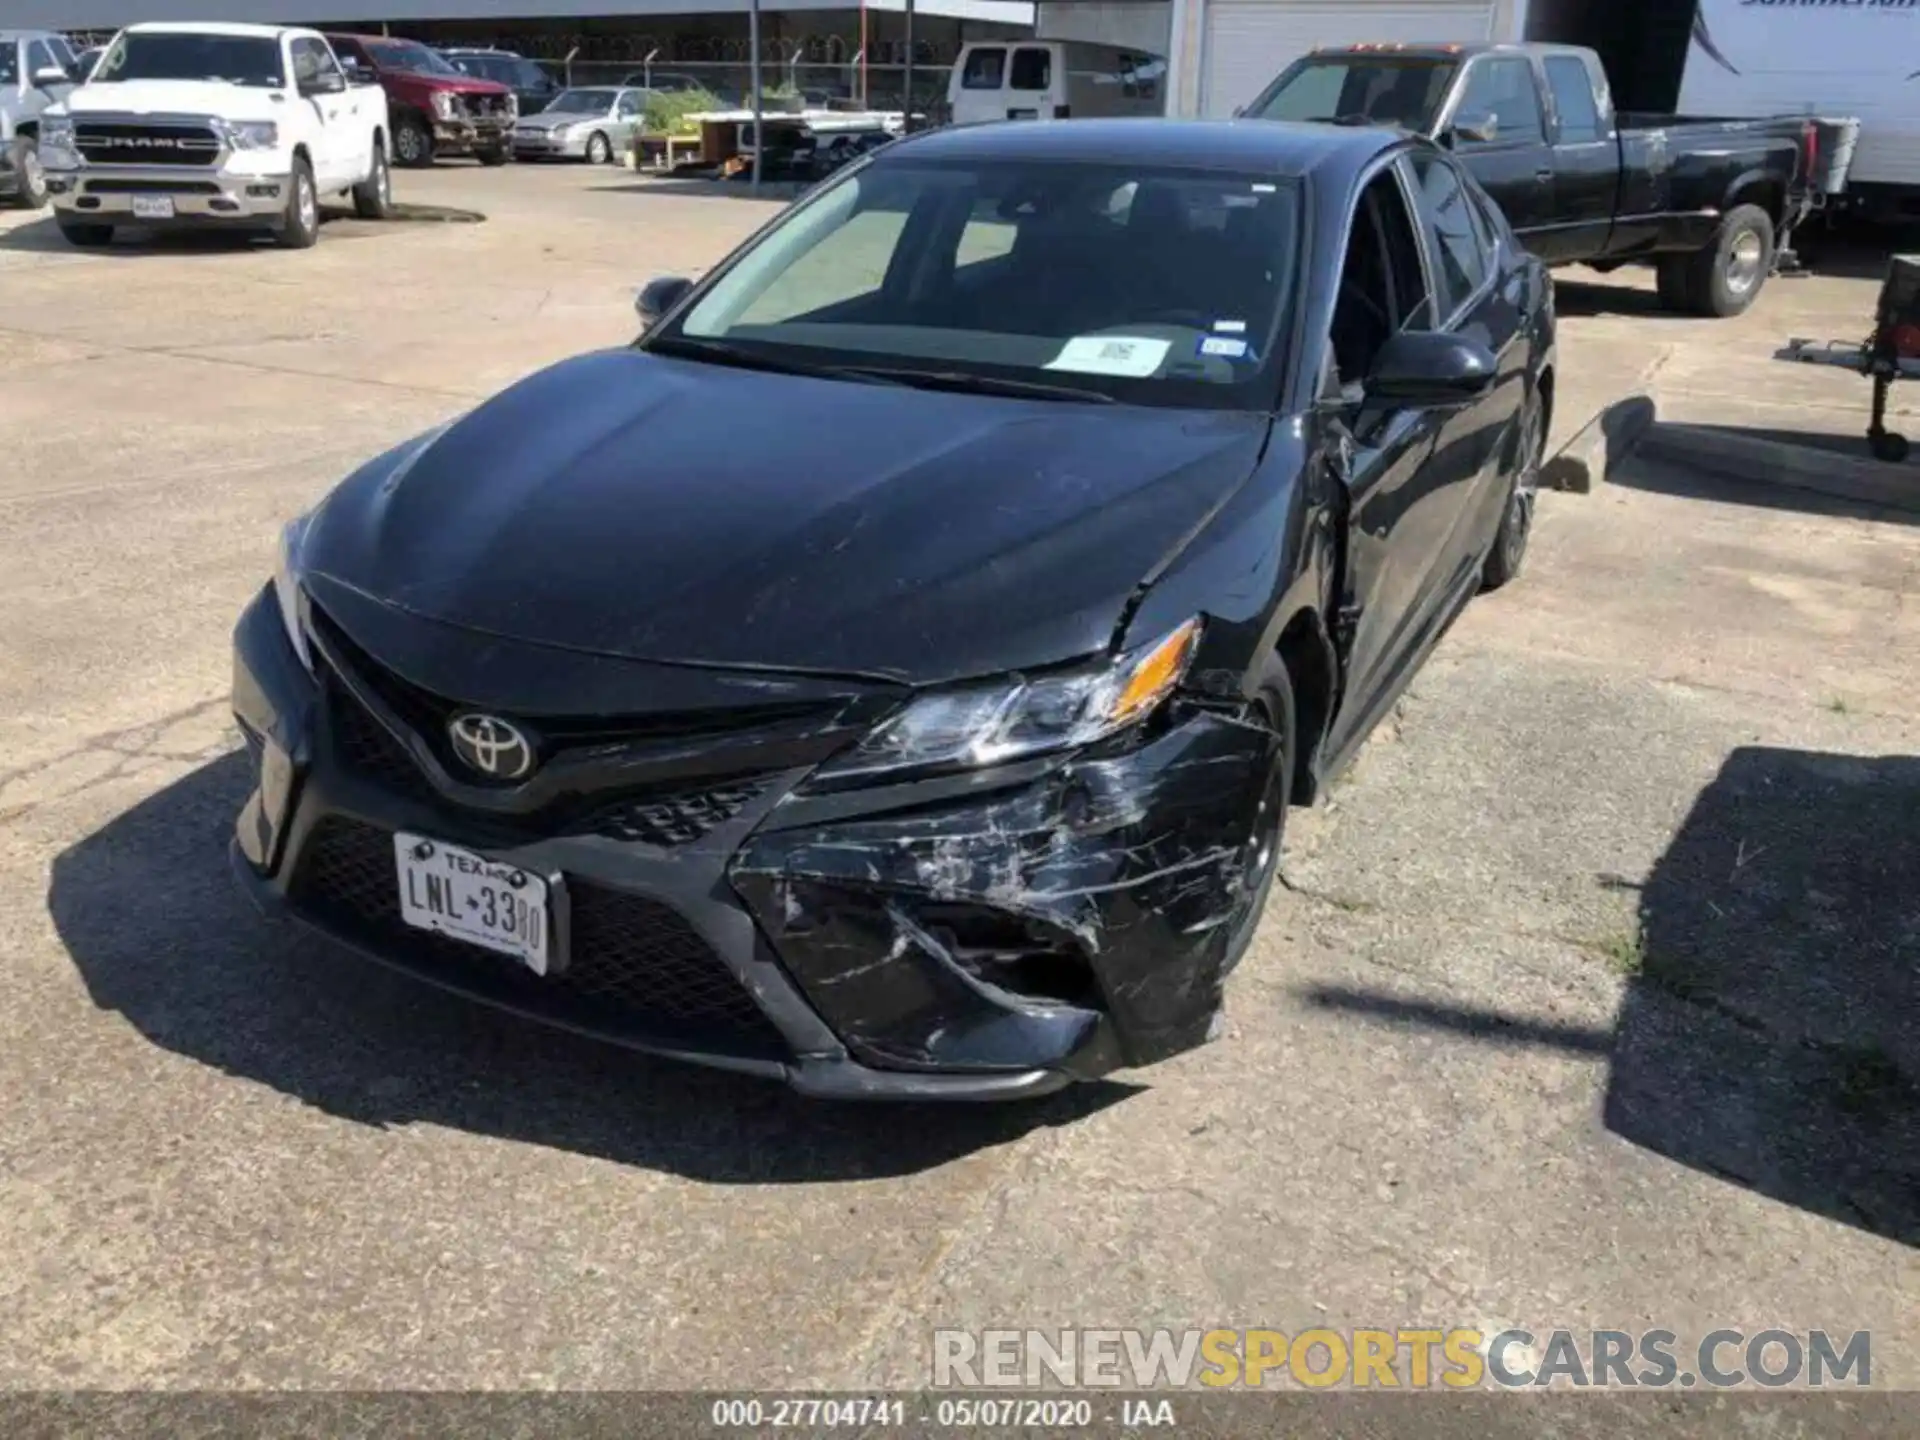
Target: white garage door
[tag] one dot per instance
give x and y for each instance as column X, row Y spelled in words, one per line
column 1245, row 43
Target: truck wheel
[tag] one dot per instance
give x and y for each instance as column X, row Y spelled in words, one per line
column 88, row 237
column 412, row 143
column 496, row 156
column 302, row 224
column 1732, row 269
column 373, row 196
column 599, row 152
column 32, row 193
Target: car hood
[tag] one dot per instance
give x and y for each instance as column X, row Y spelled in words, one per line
column 660, row 509
column 177, row 97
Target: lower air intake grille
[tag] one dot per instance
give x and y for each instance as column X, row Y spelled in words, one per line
column 635, row 967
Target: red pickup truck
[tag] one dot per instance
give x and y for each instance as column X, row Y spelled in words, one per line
column 436, row 108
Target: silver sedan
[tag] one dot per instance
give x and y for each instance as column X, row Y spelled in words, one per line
column 593, row 123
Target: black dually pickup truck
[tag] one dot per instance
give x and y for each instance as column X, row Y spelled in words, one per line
column 1707, row 202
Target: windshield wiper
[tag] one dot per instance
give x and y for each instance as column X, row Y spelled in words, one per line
column 718, row 352
column 967, row 383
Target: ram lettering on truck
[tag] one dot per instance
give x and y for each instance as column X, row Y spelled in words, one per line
column 1707, row 202
column 225, row 126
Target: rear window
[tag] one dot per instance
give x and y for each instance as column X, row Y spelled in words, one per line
column 984, row 70
column 1032, row 68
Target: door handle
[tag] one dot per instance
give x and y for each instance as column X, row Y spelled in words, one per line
column 1543, row 174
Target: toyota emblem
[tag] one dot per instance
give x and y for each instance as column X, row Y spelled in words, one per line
column 491, row 746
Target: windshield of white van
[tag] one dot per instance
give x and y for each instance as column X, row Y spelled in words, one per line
column 1140, row 284
column 1347, row 88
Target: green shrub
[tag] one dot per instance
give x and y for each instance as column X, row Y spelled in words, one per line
column 666, row 113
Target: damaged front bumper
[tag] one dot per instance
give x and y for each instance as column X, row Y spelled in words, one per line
column 978, row 937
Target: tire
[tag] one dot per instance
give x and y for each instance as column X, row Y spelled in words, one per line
column 496, row 156
column 1729, row 273
column 301, row 226
column 87, row 237
column 1509, row 549
column 1264, row 845
column 412, row 144
column 599, row 149
column 373, row 196
column 1888, row 446
column 32, row 192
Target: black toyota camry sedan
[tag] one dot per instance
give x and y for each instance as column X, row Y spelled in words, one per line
column 892, row 672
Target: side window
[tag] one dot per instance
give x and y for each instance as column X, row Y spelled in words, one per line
column 40, row 57
column 1383, row 286
column 1503, row 86
column 311, row 59
column 985, row 70
column 1032, row 68
column 1458, row 249
column 1573, row 100
column 629, row 105
column 353, row 60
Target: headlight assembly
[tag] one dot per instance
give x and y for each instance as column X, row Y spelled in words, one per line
column 443, row 104
column 286, row 586
column 251, row 134
column 1018, row 717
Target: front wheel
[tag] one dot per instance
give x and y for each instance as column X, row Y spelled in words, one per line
column 1509, row 549
column 1260, row 853
column 412, row 144
column 496, row 156
column 31, row 180
column 599, row 149
column 302, row 224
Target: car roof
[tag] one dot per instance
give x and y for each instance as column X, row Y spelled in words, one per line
column 15, row 35
column 1270, row 147
column 1443, row 49
column 236, row 29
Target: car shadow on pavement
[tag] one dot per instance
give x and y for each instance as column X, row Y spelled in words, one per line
column 1770, row 1030
column 1829, row 475
column 162, row 935
column 1582, row 299
column 43, row 237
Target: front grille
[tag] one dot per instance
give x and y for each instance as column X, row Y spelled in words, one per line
column 368, row 749
column 677, row 819
column 634, row 966
column 120, row 143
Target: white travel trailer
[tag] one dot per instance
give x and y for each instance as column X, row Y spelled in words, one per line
column 1821, row 58
column 1053, row 80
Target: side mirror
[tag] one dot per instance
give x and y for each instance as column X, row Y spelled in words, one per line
column 50, row 75
column 327, row 82
column 1477, row 129
column 658, row 296
column 1424, row 367
column 1239, row 112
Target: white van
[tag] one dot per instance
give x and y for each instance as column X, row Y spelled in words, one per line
column 1764, row 57
column 1053, row 80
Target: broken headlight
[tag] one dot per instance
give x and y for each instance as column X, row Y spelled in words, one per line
column 1022, row 716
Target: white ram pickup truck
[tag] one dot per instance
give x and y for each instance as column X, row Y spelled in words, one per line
column 234, row 126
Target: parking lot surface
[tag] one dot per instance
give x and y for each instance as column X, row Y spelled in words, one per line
column 1589, row 1001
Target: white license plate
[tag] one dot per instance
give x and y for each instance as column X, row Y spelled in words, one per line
column 153, row 207
column 457, row 893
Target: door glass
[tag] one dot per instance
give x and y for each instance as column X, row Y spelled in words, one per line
column 1504, row 88
column 1448, row 215
column 1032, row 68
column 1573, row 100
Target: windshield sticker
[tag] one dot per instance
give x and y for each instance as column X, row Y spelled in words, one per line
column 1229, row 347
column 1230, row 327
column 1259, row 189
column 1130, row 356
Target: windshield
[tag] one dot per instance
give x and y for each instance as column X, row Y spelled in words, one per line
column 413, row 58
column 582, row 102
column 1146, row 285
column 1404, row 92
column 180, row 55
